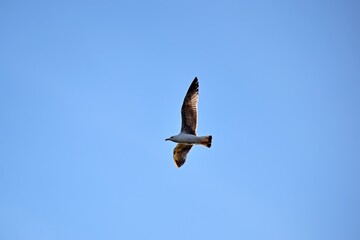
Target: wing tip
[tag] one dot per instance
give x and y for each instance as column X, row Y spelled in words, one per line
column 194, row 86
column 179, row 164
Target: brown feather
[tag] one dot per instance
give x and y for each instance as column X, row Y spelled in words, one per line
column 189, row 108
column 180, row 153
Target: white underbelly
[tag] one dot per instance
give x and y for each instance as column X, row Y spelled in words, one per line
column 188, row 139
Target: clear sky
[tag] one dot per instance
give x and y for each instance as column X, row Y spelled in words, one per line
column 89, row 90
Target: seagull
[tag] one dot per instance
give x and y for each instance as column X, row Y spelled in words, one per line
column 187, row 136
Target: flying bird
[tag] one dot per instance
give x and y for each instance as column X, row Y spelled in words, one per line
column 187, row 136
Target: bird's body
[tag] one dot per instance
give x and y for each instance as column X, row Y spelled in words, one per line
column 187, row 137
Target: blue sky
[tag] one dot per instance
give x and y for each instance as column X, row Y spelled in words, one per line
column 89, row 90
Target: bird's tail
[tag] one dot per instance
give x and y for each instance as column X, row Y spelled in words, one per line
column 206, row 141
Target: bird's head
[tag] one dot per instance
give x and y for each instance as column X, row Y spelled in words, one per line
column 170, row 138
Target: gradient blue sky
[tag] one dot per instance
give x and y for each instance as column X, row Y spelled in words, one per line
column 89, row 90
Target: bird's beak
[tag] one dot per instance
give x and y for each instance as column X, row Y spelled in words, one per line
column 167, row 139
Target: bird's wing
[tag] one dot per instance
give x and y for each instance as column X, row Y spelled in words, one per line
column 180, row 153
column 189, row 108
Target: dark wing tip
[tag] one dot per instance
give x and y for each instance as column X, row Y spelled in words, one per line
column 194, row 87
column 179, row 163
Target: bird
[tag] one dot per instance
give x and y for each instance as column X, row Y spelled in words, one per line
column 187, row 136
